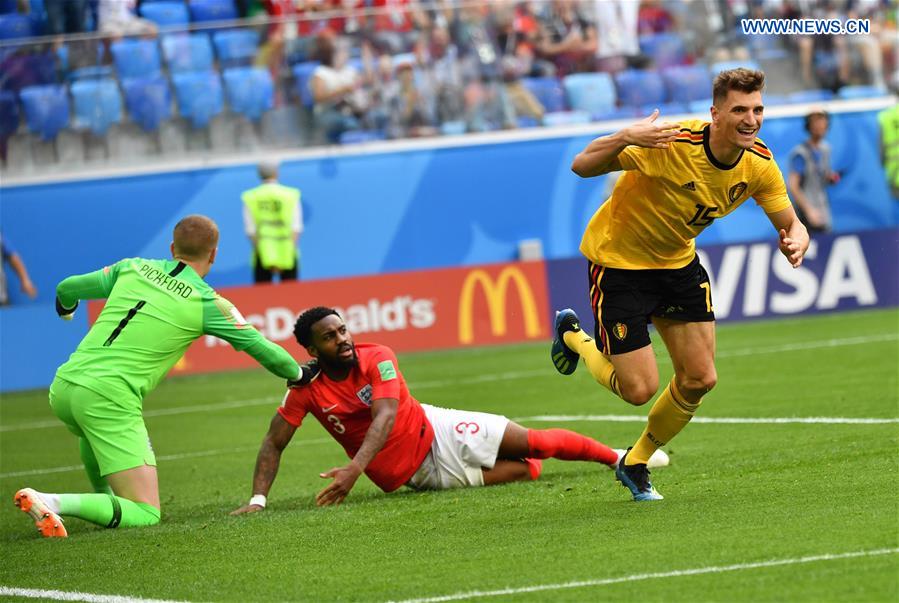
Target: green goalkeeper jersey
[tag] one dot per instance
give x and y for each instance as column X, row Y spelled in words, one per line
column 155, row 309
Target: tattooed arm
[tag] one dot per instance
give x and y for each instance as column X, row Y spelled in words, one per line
column 267, row 461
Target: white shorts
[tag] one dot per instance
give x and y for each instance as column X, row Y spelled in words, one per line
column 464, row 442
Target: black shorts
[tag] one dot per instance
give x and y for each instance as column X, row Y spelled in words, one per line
column 624, row 301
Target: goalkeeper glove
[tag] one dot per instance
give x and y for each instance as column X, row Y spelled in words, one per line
column 63, row 312
column 308, row 373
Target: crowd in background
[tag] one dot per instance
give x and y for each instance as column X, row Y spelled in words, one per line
column 405, row 68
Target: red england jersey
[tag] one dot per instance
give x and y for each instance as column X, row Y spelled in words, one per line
column 344, row 409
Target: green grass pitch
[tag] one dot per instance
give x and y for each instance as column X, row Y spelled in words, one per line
column 738, row 495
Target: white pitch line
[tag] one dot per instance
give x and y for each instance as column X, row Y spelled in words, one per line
column 165, row 457
column 717, row 420
column 62, row 595
column 476, row 594
column 485, row 378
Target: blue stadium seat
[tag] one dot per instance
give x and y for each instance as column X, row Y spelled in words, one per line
column 811, row 96
column 165, row 14
column 235, row 47
column 46, row 109
column 14, row 26
column 548, row 91
column 302, row 72
column 199, row 96
column 9, row 114
column 22, row 69
column 98, row 105
column 249, row 91
column 665, row 49
column 38, row 15
column 590, row 92
column 849, row 92
column 136, row 58
column 187, row 52
column 148, row 100
column 727, row 65
column 212, row 10
column 637, row 88
column 687, row 83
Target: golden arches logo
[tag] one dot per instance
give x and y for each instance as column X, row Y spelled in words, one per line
column 496, row 292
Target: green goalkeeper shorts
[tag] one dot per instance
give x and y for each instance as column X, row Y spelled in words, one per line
column 115, row 431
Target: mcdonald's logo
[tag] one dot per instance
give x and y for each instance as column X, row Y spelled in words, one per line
column 496, row 293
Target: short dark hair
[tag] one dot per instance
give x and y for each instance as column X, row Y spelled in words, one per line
column 744, row 80
column 302, row 330
column 195, row 237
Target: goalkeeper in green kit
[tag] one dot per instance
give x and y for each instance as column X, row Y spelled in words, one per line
column 155, row 309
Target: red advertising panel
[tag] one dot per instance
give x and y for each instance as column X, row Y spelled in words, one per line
column 409, row 311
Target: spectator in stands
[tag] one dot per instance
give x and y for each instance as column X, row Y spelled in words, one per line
column 445, row 73
column 9, row 256
column 487, row 106
column 810, row 174
column 66, row 16
column 118, row 18
column 273, row 221
column 522, row 102
column 616, row 33
column 396, row 23
column 336, row 89
column 567, row 38
column 413, row 105
column 823, row 59
column 474, row 34
column 652, row 18
column 516, row 37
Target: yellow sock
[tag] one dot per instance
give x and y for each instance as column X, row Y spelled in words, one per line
column 669, row 414
column 599, row 366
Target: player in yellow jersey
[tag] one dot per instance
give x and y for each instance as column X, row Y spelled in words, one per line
column 678, row 179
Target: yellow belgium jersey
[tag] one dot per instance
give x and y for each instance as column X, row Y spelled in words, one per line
column 666, row 197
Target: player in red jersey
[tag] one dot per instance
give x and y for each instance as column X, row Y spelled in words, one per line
column 362, row 400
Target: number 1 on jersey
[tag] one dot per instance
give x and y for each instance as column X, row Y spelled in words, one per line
column 118, row 330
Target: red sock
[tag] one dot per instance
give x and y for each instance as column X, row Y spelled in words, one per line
column 535, row 466
column 568, row 446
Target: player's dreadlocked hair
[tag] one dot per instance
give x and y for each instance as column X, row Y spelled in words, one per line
column 302, row 330
column 744, row 80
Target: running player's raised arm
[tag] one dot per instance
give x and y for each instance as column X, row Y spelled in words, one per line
column 601, row 155
column 223, row 320
column 92, row 285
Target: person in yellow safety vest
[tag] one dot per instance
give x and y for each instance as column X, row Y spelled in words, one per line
column 889, row 141
column 273, row 221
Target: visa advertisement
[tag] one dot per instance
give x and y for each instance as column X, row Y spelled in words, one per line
column 753, row 280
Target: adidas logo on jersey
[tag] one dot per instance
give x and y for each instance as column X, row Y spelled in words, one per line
column 690, row 186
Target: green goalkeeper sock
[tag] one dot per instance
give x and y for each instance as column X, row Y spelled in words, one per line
column 98, row 482
column 108, row 510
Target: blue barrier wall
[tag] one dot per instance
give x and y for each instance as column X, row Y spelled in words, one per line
column 393, row 211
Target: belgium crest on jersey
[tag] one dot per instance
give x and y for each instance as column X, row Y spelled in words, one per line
column 620, row 331
column 736, row 191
